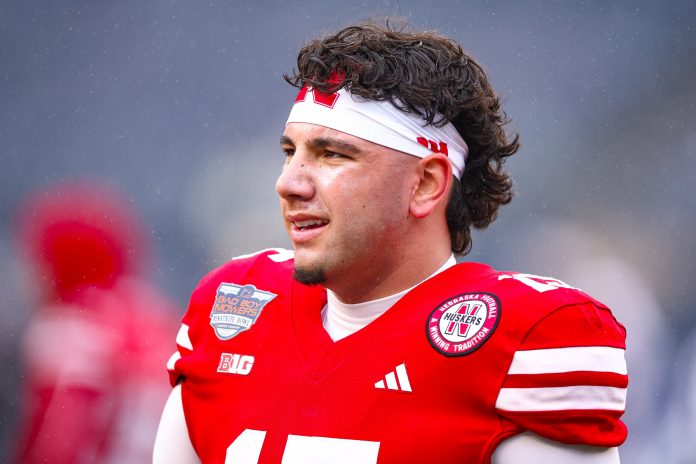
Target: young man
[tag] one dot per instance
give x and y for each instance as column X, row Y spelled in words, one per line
column 369, row 344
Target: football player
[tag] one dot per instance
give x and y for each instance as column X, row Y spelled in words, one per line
column 90, row 388
column 368, row 343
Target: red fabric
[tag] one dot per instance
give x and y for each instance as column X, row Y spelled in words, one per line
column 565, row 379
column 583, row 325
column 303, row 384
column 591, row 427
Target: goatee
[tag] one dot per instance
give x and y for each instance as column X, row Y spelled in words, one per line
column 309, row 276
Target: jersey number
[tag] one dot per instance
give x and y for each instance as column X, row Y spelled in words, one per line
column 246, row 449
column 539, row 283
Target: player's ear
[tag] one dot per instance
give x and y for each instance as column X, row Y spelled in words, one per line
column 435, row 177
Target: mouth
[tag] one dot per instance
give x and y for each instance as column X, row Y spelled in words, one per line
column 309, row 224
column 304, row 229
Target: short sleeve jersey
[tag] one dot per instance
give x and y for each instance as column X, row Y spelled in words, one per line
column 463, row 361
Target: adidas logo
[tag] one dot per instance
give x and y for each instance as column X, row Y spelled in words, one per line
column 395, row 380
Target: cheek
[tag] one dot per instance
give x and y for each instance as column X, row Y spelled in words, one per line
column 341, row 190
column 363, row 196
column 382, row 209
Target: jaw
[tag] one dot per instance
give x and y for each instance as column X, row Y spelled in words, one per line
column 307, row 254
column 310, row 266
column 310, row 250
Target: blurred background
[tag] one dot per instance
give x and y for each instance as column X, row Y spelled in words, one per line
column 176, row 107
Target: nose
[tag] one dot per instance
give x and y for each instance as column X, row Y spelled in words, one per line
column 295, row 181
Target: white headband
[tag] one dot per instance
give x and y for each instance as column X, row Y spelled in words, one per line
column 381, row 123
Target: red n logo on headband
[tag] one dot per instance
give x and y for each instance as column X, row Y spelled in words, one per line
column 325, row 99
column 328, row 100
column 434, row 147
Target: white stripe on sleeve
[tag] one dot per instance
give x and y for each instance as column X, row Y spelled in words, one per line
column 182, row 338
column 580, row 358
column 562, row 398
column 172, row 360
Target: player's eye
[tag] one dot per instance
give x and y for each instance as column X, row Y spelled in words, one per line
column 288, row 151
column 333, row 155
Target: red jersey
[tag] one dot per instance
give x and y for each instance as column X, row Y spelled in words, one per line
column 98, row 397
column 464, row 360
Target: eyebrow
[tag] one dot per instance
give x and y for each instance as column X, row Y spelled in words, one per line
column 323, row 142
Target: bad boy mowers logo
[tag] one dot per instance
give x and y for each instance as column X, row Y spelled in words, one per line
column 236, row 308
column 462, row 324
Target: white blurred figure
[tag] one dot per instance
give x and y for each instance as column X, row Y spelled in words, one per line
column 679, row 428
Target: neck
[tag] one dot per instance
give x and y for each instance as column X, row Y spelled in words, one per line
column 423, row 247
column 401, row 273
column 343, row 319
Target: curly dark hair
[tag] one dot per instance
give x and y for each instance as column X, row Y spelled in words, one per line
column 429, row 75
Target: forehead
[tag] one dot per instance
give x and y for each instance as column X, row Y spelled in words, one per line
column 314, row 136
column 301, row 133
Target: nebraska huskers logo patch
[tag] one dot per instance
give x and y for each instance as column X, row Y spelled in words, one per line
column 462, row 324
column 236, row 308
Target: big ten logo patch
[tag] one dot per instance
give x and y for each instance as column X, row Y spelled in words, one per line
column 462, row 324
column 237, row 308
column 233, row 363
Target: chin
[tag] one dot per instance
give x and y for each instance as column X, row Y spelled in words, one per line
column 309, row 275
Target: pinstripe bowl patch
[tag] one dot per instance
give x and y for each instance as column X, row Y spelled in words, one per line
column 236, row 308
column 463, row 323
